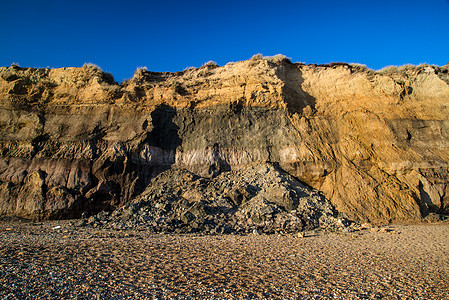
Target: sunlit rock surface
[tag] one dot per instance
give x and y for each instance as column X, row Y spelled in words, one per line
column 375, row 144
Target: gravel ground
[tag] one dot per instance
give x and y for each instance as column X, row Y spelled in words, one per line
column 54, row 260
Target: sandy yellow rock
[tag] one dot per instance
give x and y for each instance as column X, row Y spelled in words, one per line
column 375, row 143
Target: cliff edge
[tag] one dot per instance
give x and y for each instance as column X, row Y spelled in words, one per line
column 375, row 144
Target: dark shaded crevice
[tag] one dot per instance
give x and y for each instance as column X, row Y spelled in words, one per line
column 165, row 132
column 443, row 73
column 443, row 209
column 37, row 143
column 426, row 204
column 406, row 90
column 296, row 98
column 409, row 136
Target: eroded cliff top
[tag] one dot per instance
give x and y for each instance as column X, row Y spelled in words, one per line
column 272, row 82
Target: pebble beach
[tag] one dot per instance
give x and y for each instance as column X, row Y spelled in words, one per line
column 59, row 260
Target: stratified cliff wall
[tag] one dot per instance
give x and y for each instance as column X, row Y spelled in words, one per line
column 376, row 144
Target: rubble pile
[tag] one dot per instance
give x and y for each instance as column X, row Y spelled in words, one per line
column 259, row 198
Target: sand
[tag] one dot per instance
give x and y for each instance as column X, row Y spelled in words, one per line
column 54, row 260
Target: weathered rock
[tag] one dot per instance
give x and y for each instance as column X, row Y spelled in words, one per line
column 374, row 143
column 276, row 202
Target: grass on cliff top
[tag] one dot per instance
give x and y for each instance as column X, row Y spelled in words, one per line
column 412, row 70
column 276, row 59
column 404, row 70
column 95, row 70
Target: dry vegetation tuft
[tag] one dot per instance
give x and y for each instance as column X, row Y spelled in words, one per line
column 412, row 70
column 95, row 71
column 276, row 59
column 389, row 70
column 210, row 65
column 356, row 67
column 91, row 66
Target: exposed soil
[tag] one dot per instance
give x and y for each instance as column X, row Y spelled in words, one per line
column 54, row 260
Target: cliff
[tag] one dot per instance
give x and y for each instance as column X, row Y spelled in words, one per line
column 375, row 144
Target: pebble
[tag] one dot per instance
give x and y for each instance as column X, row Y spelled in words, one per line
column 86, row 263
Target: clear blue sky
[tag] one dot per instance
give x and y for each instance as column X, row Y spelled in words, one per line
column 169, row 35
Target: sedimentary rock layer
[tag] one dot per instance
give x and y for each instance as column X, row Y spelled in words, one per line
column 376, row 144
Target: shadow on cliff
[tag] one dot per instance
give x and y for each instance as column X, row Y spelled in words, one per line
column 163, row 140
column 118, row 179
column 164, row 134
column 297, row 99
column 219, row 164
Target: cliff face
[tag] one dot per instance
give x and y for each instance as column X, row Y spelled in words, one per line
column 376, row 144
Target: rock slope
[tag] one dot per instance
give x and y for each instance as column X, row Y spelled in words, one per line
column 375, row 144
column 258, row 198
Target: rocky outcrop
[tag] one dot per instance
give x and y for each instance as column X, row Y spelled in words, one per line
column 374, row 143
